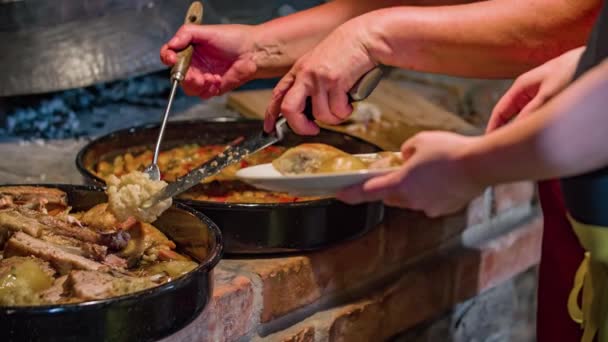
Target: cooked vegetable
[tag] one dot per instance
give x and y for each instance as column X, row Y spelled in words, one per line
column 22, row 278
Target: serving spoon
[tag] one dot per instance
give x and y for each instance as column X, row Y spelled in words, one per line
column 178, row 72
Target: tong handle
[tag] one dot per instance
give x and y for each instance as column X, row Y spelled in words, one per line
column 193, row 16
column 360, row 91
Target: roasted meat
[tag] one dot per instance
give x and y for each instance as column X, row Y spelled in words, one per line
column 90, row 285
column 54, row 257
column 30, row 194
column 56, row 293
column 115, row 239
column 15, row 221
column 21, row 244
column 75, row 246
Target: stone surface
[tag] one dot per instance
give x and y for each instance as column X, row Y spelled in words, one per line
column 291, row 283
column 359, row 322
column 503, row 258
column 432, row 287
column 304, row 335
column 287, row 284
column 502, row 314
column 410, row 234
column 231, row 314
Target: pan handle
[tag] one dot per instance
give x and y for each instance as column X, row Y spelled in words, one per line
column 193, row 16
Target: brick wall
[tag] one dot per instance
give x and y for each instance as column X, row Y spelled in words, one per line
column 407, row 271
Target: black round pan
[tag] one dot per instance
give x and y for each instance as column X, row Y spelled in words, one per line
column 251, row 228
column 143, row 316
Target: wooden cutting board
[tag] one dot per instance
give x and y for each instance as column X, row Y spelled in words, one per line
column 402, row 114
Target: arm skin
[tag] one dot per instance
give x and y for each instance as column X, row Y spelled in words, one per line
column 497, row 38
column 565, row 137
column 280, row 42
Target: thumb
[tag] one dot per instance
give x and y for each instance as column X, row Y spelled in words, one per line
column 188, row 34
column 408, row 148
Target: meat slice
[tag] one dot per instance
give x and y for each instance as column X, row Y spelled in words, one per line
column 75, row 246
column 15, row 221
column 21, row 244
column 115, row 262
column 61, row 227
column 90, row 285
column 72, row 228
column 56, row 293
column 25, row 194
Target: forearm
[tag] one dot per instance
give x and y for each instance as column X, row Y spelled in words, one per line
column 498, row 38
column 280, row 42
column 566, row 137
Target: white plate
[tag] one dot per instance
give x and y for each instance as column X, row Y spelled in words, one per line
column 266, row 177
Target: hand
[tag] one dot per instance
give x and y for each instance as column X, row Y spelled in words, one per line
column 326, row 74
column 433, row 178
column 534, row 88
column 222, row 60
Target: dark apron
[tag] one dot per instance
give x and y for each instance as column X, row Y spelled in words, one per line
column 573, row 280
column 561, row 256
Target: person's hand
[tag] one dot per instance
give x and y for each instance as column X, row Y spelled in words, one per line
column 325, row 74
column 433, row 178
column 534, row 88
column 222, row 59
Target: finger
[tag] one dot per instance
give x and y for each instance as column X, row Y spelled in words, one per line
column 408, row 148
column 517, row 97
column 292, row 109
column 382, row 183
column 188, row 34
column 320, row 108
column 356, row 194
column 211, row 87
column 274, row 107
column 167, row 56
column 339, row 105
column 504, row 110
column 395, row 203
column 377, row 188
column 539, row 100
column 193, row 83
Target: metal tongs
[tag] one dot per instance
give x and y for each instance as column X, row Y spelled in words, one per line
column 178, row 72
column 234, row 153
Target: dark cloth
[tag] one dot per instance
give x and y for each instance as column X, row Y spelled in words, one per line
column 560, row 257
column 587, row 195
